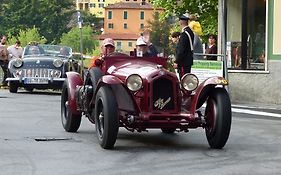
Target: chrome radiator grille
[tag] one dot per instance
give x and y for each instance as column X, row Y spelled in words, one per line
column 37, row 72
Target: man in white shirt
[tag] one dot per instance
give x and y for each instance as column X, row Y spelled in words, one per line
column 15, row 51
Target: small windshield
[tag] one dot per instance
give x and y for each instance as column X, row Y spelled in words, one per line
column 47, row 50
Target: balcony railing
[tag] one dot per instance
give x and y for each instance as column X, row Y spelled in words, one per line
column 82, row 1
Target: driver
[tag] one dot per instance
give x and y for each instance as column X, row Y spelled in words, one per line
column 34, row 50
column 107, row 48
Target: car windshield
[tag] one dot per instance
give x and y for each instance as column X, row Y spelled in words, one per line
column 47, row 50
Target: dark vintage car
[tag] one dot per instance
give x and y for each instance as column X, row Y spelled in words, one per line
column 140, row 94
column 41, row 67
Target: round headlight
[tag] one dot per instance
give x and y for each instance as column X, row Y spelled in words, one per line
column 134, row 82
column 189, row 82
column 18, row 63
column 57, row 62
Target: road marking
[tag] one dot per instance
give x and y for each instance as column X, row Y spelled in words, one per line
column 256, row 107
column 247, row 111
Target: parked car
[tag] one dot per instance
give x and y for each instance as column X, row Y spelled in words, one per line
column 140, row 94
column 41, row 67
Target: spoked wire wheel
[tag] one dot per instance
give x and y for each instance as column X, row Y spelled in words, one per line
column 218, row 118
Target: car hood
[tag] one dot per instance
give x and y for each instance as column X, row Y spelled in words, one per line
column 140, row 67
column 36, row 62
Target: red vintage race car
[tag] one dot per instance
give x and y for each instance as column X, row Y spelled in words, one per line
column 140, row 94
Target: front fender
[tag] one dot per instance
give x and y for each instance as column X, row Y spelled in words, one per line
column 110, row 79
column 125, row 98
column 203, row 91
column 73, row 80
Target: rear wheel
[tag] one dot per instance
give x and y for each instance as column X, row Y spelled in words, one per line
column 218, row 118
column 70, row 122
column 13, row 87
column 106, row 117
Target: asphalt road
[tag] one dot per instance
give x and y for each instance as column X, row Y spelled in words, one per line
column 33, row 142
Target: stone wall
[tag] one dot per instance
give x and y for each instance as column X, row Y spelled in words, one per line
column 257, row 87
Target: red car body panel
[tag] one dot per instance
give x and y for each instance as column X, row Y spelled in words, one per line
column 74, row 80
column 206, row 86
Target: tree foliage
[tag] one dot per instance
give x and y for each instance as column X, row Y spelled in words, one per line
column 160, row 33
column 50, row 17
column 207, row 10
column 25, row 36
column 72, row 39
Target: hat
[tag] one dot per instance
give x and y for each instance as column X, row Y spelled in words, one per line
column 108, row 41
column 184, row 16
column 140, row 41
column 195, row 26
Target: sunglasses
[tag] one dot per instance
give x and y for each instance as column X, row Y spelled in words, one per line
column 110, row 46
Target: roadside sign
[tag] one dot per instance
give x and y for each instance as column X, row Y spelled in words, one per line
column 204, row 69
column 79, row 20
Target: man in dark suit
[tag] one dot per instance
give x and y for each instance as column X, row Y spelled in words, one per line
column 184, row 50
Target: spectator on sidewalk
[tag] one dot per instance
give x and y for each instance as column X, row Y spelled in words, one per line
column 184, row 51
column 212, row 48
column 197, row 29
column 15, row 51
column 175, row 37
column 4, row 59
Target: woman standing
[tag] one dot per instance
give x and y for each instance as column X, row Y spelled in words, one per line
column 212, row 48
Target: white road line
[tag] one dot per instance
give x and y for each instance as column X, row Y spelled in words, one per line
column 247, row 111
column 251, row 107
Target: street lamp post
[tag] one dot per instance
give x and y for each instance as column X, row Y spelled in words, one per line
column 80, row 21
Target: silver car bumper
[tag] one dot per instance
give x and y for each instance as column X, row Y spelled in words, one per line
column 35, row 80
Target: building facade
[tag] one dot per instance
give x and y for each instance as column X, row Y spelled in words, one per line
column 95, row 7
column 253, row 46
column 124, row 22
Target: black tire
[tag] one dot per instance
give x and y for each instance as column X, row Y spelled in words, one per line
column 29, row 89
column 70, row 122
column 13, row 87
column 218, row 118
column 168, row 130
column 93, row 76
column 106, row 117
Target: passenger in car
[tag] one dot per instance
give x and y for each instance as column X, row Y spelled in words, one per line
column 108, row 47
column 64, row 51
column 151, row 48
column 142, row 48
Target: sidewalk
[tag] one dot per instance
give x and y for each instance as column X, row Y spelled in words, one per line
column 260, row 105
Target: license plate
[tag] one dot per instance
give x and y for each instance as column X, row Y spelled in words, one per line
column 35, row 81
